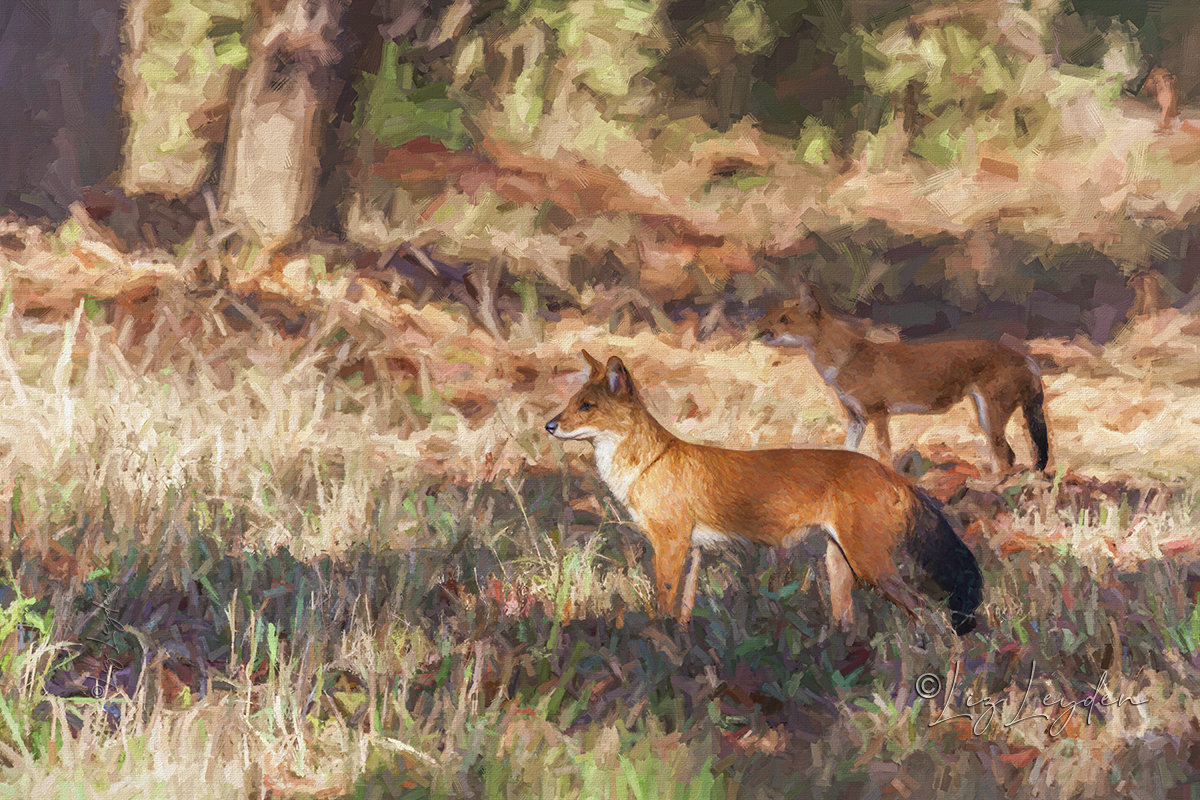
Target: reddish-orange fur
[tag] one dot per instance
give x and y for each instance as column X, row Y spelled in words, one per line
column 875, row 379
column 1164, row 88
column 1148, row 295
column 685, row 495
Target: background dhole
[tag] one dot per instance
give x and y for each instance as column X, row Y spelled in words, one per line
column 875, row 379
column 683, row 494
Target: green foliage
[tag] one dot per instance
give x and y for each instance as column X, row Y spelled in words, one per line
column 608, row 43
column 397, row 106
column 20, row 617
column 750, row 27
column 231, row 52
column 188, row 58
column 968, row 77
column 68, row 234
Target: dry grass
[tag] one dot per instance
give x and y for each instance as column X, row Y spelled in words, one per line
column 350, row 561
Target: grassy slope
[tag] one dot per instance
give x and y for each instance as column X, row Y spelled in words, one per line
column 349, row 560
column 457, row 608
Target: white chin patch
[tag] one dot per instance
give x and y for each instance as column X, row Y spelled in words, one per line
column 788, row 340
column 578, row 433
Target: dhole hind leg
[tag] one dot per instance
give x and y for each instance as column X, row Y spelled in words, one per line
column 993, row 419
column 841, row 581
column 894, row 590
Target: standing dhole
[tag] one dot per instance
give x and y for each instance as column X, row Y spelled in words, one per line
column 875, row 379
column 1164, row 88
column 685, row 495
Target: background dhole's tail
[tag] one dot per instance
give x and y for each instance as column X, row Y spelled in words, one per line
column 1035, row 418
column 935, row 546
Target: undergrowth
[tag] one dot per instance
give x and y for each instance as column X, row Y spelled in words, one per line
column 237, row 565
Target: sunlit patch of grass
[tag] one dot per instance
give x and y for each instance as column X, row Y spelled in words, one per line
column 381, row 587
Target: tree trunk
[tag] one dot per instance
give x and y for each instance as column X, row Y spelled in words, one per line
column 272, row 157
column 177, row 76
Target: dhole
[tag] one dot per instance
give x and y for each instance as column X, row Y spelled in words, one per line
column 1148, row 295
column 1164, row 88
column 875, row 379
column 685, row 495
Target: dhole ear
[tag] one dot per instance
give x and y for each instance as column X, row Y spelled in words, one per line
column 618, row 380
column 806, row 300
column 596, row 367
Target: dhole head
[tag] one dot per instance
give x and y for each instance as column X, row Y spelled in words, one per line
column 792, row 323
column 607, row 404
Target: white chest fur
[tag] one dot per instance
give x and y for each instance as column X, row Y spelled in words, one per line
column 709, row 538
column 619, row 478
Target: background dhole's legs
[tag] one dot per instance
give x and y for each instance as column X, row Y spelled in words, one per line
column 689, row 589
column 884, row 439
column 854, row 431
column 993, row 423
column 841, row 581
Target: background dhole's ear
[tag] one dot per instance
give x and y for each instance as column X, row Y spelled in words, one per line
column 806, row 300
column 619, row 382
column 596, row 367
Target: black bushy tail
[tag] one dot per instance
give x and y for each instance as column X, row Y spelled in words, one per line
column 946, row 558
column 1035, row 418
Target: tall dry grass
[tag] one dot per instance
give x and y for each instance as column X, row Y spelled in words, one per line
column 348, row 560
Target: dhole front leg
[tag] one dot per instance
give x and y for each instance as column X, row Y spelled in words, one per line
column 689, row 588
column 670, row 552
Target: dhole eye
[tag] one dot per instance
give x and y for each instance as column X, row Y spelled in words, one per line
column 585, row 406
